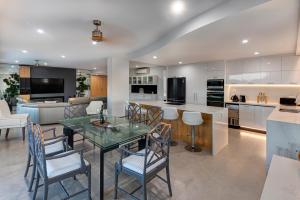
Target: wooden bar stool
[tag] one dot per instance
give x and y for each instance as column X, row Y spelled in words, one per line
column 171, row 115
column 192, row 119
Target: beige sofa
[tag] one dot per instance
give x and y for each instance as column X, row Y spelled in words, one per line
column 52, row 112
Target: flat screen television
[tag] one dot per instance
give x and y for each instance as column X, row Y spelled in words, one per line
column 46, row 85
column 176, row 90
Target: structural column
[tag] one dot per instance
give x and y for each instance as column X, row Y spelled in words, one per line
column 118, row 85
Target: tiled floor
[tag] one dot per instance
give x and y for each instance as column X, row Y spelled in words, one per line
column 237, row 173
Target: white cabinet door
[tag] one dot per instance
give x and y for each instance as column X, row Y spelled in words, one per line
column 234, row 66
column 291, row 77
column 267, row 112
column 251, row 65
column 271, row 64
column 290, row 62
column 254, row 117
column 251, row 77
column 234, row 78
column 246, row 115
column 259, row 117
column 215, row 74
column 234, row 72
column 215, row 66
column 269, row 77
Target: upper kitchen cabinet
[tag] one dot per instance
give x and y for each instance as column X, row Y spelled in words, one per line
column 215, row 66
column 264, row 70
column 234, row 72
column 251, row 65
column 271, row 64
column 143, row 80
column 271, row 70
column 269, row 77
column 291, row 77
column 215, row 70
column 290, row 62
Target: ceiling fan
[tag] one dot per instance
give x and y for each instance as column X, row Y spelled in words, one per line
column 97, row 35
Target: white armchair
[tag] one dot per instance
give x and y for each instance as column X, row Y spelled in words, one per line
column 8, row 120
column 94, row 107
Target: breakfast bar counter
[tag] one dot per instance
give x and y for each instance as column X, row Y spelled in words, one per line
column 212, row 135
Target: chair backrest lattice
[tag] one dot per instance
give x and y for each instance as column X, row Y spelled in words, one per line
column 154, row 116
column 77, row 110
column 157, row 145
column 134, row 113
column 30, row 136
column 40, row 150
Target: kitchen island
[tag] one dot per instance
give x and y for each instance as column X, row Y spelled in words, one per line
column 212, row 135
column 283, row 133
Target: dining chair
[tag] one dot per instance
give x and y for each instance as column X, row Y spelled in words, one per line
column 94, row 107
column 54, row 145
column 145, row 164
column 8, row 120
column 75, row 110
column 58, row 167
column 134, row 113
column 154, row 116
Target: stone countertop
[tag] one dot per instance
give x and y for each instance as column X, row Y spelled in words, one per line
column 283, row 180
column 285, row 117
column 254, row 103
column 186, row 107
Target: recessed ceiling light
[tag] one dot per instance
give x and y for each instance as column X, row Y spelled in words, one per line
column 94, row 68
column 179, row 62
column 17, row 61
column 245, row 41
column 94, row 42
column 177, row 7
column 154, row 57
column 256, row 53
column 24, row 51
column 45, row 63
column 63, row 56
column 40, row 31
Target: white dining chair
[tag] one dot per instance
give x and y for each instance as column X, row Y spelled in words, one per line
column 94, row 107
column 8, row 120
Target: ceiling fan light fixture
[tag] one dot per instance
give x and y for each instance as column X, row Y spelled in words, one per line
column 97, row 35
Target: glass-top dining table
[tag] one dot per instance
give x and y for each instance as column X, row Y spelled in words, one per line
column 114, row 132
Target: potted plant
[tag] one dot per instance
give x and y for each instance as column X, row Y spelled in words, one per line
column 12, row 90
column 81, row 85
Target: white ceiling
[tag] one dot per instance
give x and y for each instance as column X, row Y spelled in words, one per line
column 271, row 28
column 127, row 26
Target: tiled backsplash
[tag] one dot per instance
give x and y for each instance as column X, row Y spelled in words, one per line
column 273, row 92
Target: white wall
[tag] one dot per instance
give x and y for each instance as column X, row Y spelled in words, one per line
column 118, row 85
column 272, row 92
column 157, row 71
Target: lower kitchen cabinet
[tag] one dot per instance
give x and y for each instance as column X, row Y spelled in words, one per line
column 253, row 116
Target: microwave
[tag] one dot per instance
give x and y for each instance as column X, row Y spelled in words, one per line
column 288, row 101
